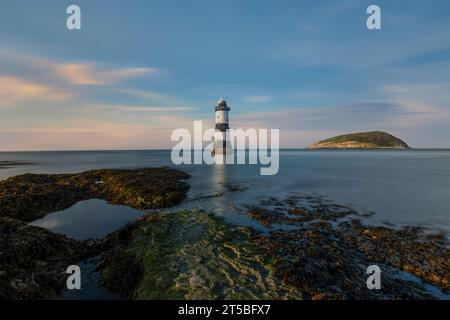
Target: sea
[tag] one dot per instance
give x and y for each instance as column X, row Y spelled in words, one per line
column 397, row 187
column 393, row 188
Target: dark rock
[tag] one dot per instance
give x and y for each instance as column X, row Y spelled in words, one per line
column 328, row 259
column 31, row 196
column 33, row 261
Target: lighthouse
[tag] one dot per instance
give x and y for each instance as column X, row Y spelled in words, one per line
column 222, row 144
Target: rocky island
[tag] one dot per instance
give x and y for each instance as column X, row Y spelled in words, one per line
column 361, row 140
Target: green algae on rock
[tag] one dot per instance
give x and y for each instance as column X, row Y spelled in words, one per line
column 31, row 196
column 190, row 255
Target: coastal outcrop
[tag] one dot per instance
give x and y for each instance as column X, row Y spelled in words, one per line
column 33, row 260
column 327, row 254
column 322, row 251
column 31, row 196
column 190, row 255
column 361, row 140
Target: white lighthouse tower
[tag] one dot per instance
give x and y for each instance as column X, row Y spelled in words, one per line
column 222, row 145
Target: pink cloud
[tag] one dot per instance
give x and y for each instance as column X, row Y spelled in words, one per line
column 14, row 90
column 79, row 73
column 92, row 74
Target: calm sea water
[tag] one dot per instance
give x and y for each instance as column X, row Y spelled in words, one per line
column 400, row 187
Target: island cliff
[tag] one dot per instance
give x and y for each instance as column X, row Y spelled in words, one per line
column 361, row 140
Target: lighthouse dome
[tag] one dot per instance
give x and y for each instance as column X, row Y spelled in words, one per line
column 222, row 105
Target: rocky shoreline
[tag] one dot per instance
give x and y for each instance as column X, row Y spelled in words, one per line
column 195, row 255
column 31, row 196
column 33, row 260
column 328, row 253
column 314, row 250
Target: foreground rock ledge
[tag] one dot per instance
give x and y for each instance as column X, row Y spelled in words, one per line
column 190, row 254
column 195, row 255
column 33, row 260
column 29, row 197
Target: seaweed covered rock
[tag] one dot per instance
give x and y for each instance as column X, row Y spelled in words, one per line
column 33, row 261
column 409, row 249
column 31, row 196
column 327, row 254
column 190, row 255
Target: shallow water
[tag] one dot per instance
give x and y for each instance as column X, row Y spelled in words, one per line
column 407, row 187
column 88, row 219
column 91, row 285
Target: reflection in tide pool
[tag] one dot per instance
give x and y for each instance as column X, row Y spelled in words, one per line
column 88, row 219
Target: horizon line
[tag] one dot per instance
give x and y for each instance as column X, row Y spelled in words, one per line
column 281, row 149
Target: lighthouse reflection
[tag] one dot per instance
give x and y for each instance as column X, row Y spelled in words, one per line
column 220, row 181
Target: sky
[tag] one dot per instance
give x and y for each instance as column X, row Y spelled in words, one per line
column 137, row 70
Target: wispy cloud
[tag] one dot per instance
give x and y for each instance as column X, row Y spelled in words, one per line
column 27, row 77
column 151, row 109
column 93, row 74
column 154, row 109
column 14, row 91
column 256, row 99
column 93, row 133
column 146, row 95
column 77, row 73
